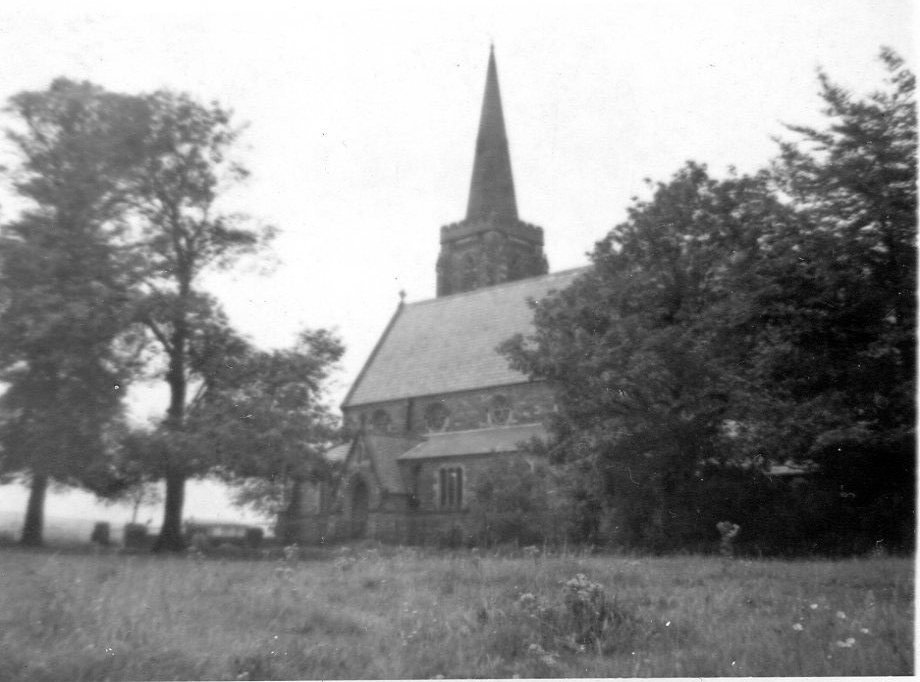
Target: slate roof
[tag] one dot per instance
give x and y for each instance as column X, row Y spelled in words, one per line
column 448, row 344
column 383, row 451
column 477, row 442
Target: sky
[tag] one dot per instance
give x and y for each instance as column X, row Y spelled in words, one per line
column 361, row 120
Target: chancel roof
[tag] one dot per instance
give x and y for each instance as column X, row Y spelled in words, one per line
column 448, row 344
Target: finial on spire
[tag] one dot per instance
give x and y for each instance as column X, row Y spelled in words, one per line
column 402, row 296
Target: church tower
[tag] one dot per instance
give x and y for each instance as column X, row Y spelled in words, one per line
column 491, row 245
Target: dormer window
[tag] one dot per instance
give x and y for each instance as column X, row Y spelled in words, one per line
column 499, row 410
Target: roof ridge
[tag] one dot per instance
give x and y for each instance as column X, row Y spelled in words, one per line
column 493, row 287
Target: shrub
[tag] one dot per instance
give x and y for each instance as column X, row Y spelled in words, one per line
column 515, row 502
column 578, row 619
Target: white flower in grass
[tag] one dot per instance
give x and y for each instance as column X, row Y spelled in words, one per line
column 846, row 644
column 841, row 615
column 865, row 631
column 798, row 627
column 812, row 606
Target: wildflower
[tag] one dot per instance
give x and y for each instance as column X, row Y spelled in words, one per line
column 865, row 631
column 813, row 606
column 841, row 615
column 798, row 627
column 848, row 644
column 526, row 600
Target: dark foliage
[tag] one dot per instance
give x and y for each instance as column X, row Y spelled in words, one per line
column 65, row 287
column 730, row 326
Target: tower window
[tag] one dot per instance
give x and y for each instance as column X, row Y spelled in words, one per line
column 380, row 420
column 437, row 416
column 450, row 483
column 499, row 410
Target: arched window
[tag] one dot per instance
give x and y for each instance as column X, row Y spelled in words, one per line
column 415, row 487
column 499, row 410
column 450, row 484
column 437, row 416
column 380, row 420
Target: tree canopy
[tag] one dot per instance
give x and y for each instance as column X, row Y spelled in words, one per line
column 187, row 166
column 65, row 288
column 732, row 325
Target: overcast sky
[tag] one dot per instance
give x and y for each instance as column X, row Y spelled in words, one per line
column 362, row 118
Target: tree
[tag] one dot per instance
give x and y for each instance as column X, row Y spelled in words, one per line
column 264, row 418
column 184, row 233
column 728, row 325
column 64, row 286
column 187, row 166
column 643, row 348
column 841, row 363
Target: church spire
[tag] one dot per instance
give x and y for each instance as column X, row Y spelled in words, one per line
column 491, row 245
column 492, row 187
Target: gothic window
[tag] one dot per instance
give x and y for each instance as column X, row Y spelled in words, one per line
column 380, row 420
column 436, row 416
column 415, row 488
column 450, row 484
column 499, row 410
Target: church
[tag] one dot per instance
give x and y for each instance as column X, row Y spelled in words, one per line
column 435, row 403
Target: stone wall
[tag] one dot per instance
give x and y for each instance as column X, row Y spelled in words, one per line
column 414, row 518
column 529, row 402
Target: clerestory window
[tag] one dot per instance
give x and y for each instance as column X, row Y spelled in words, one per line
column 380, row 420
column 499, row 410
column 437, row 416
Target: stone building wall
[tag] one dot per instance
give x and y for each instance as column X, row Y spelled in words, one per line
column 527, row 403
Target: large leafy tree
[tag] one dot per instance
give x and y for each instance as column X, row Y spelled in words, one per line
column 840, row 320
column 643, row 351
column 258, row 420
column 183, row 234
column 733, row 323
column 264, row 417
column 65, row 288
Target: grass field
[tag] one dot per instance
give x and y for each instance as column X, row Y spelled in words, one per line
column 388, row 613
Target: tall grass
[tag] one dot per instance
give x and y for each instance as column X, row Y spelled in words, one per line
column 409, row 614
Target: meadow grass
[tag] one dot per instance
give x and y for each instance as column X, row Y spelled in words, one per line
column 403, row 613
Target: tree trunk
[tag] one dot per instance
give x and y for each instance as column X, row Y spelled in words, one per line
column 170, row 538
column 35, row 513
